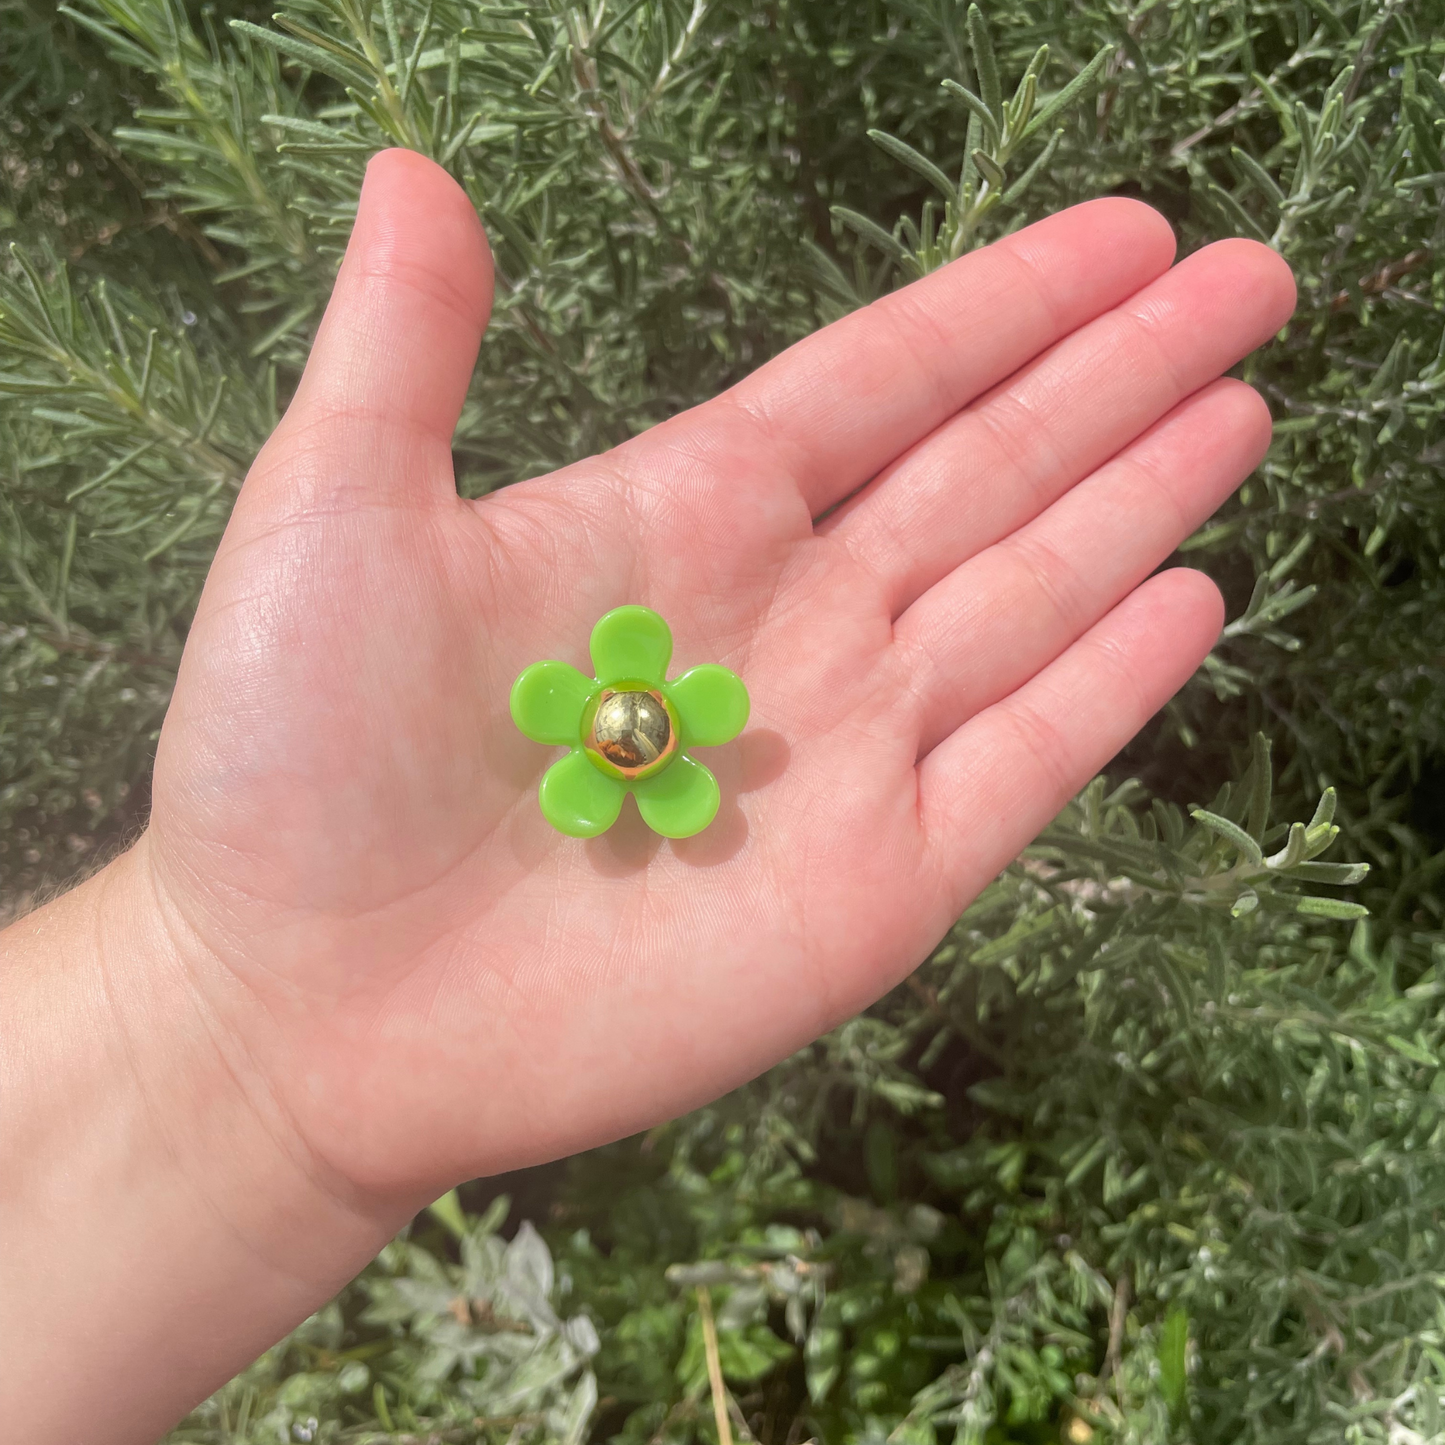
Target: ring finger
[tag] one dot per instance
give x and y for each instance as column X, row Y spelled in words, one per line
column 1000, row 617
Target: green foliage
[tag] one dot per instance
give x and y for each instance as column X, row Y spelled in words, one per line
column 477, row 1344
column 1151, row 1148
column 1153, row 1168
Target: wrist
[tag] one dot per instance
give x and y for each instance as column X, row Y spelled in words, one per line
column 161, row 1220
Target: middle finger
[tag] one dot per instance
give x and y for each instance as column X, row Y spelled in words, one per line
column 1016, row 450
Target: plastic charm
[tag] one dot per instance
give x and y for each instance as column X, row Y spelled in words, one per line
column 629, row 729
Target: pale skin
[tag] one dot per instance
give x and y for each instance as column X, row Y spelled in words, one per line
column 349, row 964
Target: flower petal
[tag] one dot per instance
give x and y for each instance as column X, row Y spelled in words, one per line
column 631, row 644
column 680, row 800
column 579, row 800
column 547, row 702
column 712, row 703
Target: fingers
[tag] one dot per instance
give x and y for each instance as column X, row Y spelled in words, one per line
column 993, row 622
column 836, row 407
column 992, row 785
column 395, row 351
column 1013, row 452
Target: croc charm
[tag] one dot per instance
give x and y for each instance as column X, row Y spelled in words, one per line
column 629, row 729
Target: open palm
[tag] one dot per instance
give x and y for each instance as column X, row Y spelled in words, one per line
column 388, row 938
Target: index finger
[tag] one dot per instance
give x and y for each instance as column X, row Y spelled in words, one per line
column 841, row 404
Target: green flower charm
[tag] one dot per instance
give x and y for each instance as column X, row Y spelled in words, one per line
column 629, row 729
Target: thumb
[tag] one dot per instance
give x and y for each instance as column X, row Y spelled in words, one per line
column 395, row 350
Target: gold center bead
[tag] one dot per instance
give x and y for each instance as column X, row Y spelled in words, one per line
column 631, row 731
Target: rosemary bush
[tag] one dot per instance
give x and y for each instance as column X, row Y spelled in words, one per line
column 1151, row 1148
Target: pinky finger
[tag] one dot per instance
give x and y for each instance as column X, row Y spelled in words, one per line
column 995, row 783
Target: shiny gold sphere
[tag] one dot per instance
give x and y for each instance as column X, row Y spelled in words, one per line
column 630, row 732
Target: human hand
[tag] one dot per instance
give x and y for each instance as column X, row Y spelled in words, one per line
column 437, row 985
column 388, row 969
